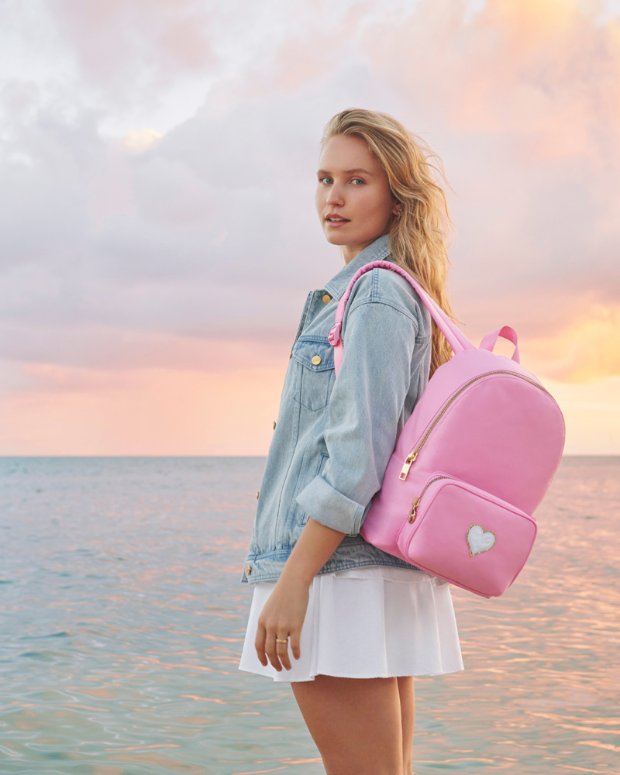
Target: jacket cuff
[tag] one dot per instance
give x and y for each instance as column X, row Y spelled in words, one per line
column 330, row 507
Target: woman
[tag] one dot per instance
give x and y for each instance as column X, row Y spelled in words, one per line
column 347, row 624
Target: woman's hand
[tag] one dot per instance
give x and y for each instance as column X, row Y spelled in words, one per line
column 283, row 614
column 285, row 610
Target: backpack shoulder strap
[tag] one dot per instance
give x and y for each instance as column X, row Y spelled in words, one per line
column 456, row 338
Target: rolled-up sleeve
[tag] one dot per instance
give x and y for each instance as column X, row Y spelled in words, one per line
column 362, row 415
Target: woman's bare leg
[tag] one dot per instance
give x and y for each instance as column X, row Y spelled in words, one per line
column 356, row 723
column 407, row 712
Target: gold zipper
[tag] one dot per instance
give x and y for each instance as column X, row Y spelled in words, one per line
column 411, row 457
column 414, row 505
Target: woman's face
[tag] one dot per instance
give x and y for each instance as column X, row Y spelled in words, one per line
column 353, row 197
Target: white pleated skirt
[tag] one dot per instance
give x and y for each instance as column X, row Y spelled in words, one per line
column 370, row 622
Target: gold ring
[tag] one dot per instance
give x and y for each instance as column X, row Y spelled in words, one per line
column 281, row 640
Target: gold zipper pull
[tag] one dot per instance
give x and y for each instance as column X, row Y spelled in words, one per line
column 409, row 460
column 414, row 508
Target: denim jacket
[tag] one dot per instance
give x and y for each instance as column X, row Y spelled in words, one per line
column 333, row 437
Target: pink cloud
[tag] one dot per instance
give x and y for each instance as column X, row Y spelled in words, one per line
column 521, row 103
column 144, row 413
column 126, row 47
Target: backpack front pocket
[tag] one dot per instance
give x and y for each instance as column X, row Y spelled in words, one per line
column 466, row 535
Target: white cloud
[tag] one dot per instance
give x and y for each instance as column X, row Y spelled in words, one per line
column 204, row 225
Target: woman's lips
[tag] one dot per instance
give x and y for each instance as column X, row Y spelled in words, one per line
column 337, row 224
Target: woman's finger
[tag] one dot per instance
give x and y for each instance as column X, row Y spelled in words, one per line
column 259, row 644
column 296, row 643
column 271, row 651
column 282, row 650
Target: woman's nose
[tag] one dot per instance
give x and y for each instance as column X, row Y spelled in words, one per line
column 335, row 195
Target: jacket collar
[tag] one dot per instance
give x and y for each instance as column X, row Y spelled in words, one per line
column 376, row 251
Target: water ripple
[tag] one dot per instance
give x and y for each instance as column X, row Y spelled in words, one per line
column 122, row 619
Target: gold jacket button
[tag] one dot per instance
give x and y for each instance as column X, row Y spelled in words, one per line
column 316, row 359
column 257, row 494
column 326, row 298
column 248, row 569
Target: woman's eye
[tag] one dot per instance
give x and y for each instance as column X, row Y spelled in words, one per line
column 327, row 180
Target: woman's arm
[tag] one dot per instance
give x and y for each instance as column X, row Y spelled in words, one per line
column 363, row 412
column 362, row 418
column 284, row 612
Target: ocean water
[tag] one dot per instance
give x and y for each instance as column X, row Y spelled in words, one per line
column 122, row 619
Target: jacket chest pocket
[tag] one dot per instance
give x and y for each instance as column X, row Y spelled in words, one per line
column 314, row 358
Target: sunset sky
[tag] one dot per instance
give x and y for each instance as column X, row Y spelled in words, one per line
column 157, row 227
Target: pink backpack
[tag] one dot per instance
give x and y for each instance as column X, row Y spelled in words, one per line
column 471, row 463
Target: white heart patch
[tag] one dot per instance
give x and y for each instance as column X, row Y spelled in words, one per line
column 479, row 540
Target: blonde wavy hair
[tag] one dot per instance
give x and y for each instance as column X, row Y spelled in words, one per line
column 418, row 234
